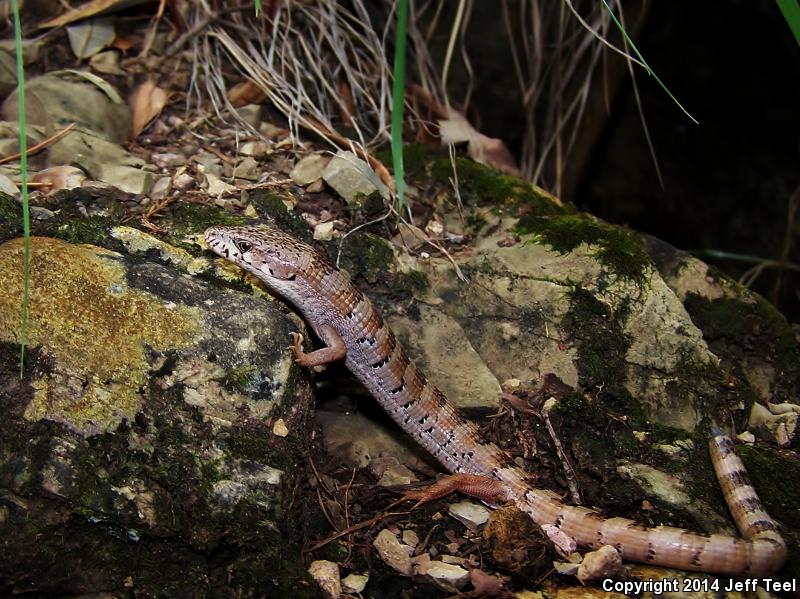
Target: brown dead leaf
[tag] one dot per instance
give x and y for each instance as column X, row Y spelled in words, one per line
column 90, row 9
column 147, row 102
column 58, row 177
column 123, row 43
column 486, row 150
column 246, row 92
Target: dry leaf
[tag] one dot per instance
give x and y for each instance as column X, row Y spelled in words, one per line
column 106, row 62
column 246, row 92
column 88, row 38
column 90, row 9
column 59, row 177
column 486, row 150
column 123, row 43
column 147, row 102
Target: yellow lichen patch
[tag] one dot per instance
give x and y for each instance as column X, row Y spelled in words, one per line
column 137, row 241
column 95, row 327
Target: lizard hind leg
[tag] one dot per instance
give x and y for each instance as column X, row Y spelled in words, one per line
column 488, row 490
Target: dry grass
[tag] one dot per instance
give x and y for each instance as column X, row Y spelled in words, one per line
column 327, row 68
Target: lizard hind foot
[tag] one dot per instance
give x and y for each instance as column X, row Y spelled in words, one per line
column 488, row 490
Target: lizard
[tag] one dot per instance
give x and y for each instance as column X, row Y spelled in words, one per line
column 352, row 329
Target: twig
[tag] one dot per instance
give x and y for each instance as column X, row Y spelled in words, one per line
column 569, row 472
column 41, row 145
column 354, row 528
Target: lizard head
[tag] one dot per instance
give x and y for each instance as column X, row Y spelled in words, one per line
column 273, row 256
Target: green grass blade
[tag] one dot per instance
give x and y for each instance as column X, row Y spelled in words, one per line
column 791, row 12
column 23, row 165
column 398, row 96
column 650, row 71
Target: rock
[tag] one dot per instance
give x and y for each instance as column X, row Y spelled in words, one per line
column 395, row 554
column 58, row 98
column 250, row 114
column 410, row 538
column 129, row 417
column 216, row 186
column 354, row 583
column 391, row 472
column 183, row 181
column 279, row 428
column 167, row 160
column 605, row 562
column 315, row 187
column 7, row 186
column 519, row 295
column 41, row 213
column 448, row 577
column 356, row 441
column 308, row 169
column 323, row 231
column 670, row 490
column 438, row 340
column 326, row 575
column 125, row 178
column 161, row 188
column 103, row 161
column 781, row 428
column 471, row 515
column 247, row 168
column 677, row 450
column 352, row 178
column 209, row 163
column 8, row 75
column 9, row 138
column 256, row 149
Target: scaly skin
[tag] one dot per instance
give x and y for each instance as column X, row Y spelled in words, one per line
column 353, row 330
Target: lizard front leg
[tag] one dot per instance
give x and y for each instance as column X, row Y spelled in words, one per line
column 335, row 348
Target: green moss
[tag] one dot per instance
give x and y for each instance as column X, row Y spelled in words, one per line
column 366, row 256
column 755, row 325
column 94, row 229
column 601, row 342
column 10, row 218
column 776, row 478
column 242, row 378
column 272, row 206
column 615, row 247
column 479, row 185
column 188, row 219
column 703, row 380
column 409, row 283
column 582, row 420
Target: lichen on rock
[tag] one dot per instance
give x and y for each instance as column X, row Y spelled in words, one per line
column 95, row 328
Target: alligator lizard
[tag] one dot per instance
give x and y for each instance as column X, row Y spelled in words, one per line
column 353, row 330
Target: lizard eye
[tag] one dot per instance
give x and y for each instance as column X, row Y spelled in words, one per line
column 243, row 246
